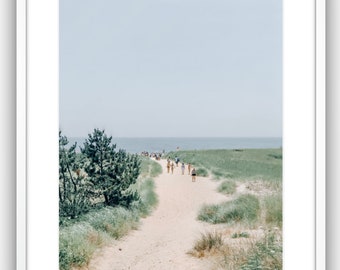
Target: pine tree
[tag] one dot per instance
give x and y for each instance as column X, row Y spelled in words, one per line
column 73, row 187
column 111, row 172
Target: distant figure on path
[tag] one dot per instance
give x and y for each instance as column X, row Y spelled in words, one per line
column 172, row 167
column 189, row 168
column 193, row 175
column 183, row 168
column 168, row 165
column 176, row 160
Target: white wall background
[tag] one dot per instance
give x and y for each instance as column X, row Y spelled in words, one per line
column 7, row 134
column 333, row 135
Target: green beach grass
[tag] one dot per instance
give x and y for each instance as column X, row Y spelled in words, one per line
column 248, row 164
column 262, row 253
column 79, row 238
column 245, row 208
column 258, row 207
column 227, row 187
column 259, row 169
column 273, row 209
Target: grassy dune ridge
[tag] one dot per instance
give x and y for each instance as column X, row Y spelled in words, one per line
column 249, row 164
column 78, row 239
column 251, row 179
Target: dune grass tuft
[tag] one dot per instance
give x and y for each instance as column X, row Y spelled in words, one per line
column 209, row 242
column 262, row 253
column 273, row 209
column 265, row 254
column 245, row 208
column 148, row 197
column 77, row 244
column 202, row 172
column 227, row 187
column 115, row 221
column 149, row 168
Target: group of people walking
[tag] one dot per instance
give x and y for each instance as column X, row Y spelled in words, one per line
column 191, row 170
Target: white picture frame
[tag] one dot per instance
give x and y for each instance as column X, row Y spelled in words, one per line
column 303, row 135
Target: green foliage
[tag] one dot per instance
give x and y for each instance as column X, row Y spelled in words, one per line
column 273, row 209
column 148, row 197
column 110, row 172
column 150, row 167
column 115, row 221
column 73, row 187
column 77, row 244
column 227, row 187
column 156, row 169
column 245, row 208
column 146, row 186
column 99, row 173
column 266, row 254
column 79, row 238
column 202, row 172
column 220, row 174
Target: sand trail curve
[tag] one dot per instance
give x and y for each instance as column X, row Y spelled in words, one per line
column 164, row 238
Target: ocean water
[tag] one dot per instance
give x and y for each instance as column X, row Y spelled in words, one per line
column 157, row 145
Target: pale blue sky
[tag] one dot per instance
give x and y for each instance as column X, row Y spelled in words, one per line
column 149, row 68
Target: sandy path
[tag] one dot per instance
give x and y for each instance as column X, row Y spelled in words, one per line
column 169, row 232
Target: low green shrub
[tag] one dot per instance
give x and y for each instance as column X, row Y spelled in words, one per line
column 202, row 172
column 227, row 187
column 276, row 156
column 217, row 174
column 245, row 208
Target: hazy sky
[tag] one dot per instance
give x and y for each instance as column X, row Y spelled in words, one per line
column 148, row 68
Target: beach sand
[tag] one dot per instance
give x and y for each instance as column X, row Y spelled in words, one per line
column 164, row 238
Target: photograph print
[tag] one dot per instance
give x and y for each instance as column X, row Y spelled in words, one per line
column 170, row 134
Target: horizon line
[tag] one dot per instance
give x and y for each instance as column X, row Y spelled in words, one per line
column 189, row 137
